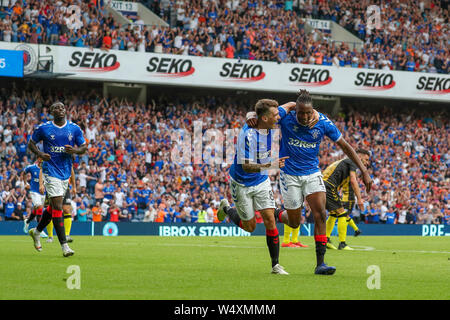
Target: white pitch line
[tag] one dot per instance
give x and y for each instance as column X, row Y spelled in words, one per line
column 366, row 248
column 363, row 248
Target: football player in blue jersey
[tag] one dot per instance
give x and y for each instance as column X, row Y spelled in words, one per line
column 61, row 139
column 300, row 178
column 250, row 185
column 37, row 195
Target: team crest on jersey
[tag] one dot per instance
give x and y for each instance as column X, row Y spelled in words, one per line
column 315, row 133
column 70, row 137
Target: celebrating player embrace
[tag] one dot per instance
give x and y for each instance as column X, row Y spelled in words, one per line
column 300, row 178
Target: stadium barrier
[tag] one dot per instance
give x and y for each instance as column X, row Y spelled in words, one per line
column 182, row 70
column 221, row 230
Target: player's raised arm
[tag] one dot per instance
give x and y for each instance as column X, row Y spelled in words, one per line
column 251, row 117
column 288, row 107
column 351, row 153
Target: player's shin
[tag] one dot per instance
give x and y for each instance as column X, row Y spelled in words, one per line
column 58, row 223
column 295, row 233
column 67, row 223
column 45, row 219
column 234, row 216
column 352, row 224
column 321, row 248
column 31, row 216
column 330, row 224
column 342, row 228
column 287, row 234
column 273, row 243
column 39, row 214
column 50, row 229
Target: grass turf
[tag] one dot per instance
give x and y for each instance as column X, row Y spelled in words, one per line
column 213, row 268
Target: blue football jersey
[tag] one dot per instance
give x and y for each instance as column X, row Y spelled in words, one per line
column 302, row 144
column 54, row 139
column 253, row 146
column 34, row 170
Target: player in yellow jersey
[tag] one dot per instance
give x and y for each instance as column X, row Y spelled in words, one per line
column 340, row 176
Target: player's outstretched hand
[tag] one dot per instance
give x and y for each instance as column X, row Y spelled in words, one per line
column 278, row 163
column 367, row 181
column 281, row 161
column 41, row 189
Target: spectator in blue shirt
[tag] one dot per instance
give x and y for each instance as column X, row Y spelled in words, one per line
column 391, row 217
column 410, row 65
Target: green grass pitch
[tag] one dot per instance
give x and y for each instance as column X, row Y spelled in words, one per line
column 212, row 268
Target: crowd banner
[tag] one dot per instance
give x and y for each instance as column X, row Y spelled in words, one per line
column 220, row 229
column 182, row 70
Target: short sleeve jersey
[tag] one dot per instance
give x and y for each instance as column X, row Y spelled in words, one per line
column 301, row 144
column 54, row 138
column 254, row 146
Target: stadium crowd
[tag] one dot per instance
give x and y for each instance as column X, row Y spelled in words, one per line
column 413, row 35
column 129, row 174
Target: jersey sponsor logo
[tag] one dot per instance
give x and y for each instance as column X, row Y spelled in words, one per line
column 55, row 149
column 310, row 77
column 170, row 67
column 433, row 85
column 374, row 81
column 301, row 144
column 94, row 61
column 242, row 72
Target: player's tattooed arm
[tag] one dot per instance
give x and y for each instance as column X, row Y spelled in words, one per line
column 255, row 167
column 32, row 146
column 250, row 167
column 351, row 153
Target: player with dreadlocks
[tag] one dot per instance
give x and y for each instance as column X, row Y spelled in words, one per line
column 301, row 178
